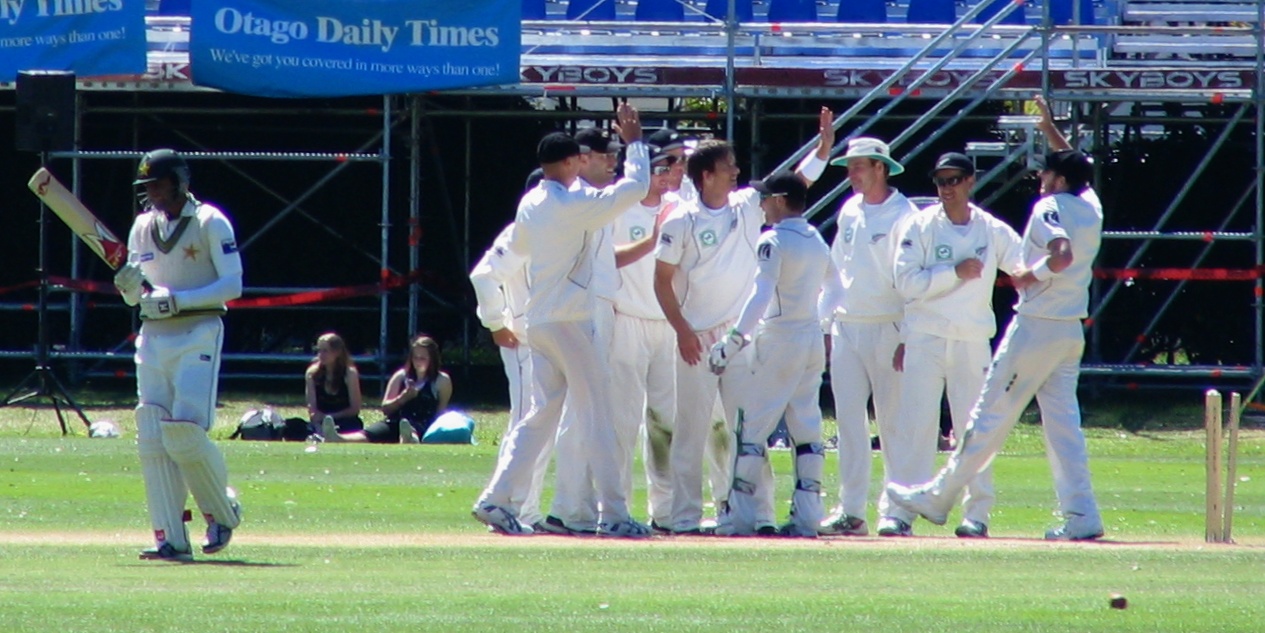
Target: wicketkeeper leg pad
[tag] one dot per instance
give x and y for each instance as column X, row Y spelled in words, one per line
column 165, row 491
column 748, row 508
column 806, row 507
column 203, row 467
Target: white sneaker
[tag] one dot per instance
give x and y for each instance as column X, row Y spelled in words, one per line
column 627, row 528
column 892, row 526
column 407, row 436
column 931, row 505
column 217, row 535
column 1077, row 528
column 500, row 520
column 840, row 524
column 329, row 430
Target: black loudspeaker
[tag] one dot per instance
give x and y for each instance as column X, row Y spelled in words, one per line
column 45, row 111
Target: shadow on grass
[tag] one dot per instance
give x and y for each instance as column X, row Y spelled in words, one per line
column 207, row 563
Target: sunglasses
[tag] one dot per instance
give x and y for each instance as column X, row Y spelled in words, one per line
column 660, row 170
column 951, row 181
column 766, row 196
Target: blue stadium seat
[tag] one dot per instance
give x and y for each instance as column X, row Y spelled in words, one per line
column 591, row 10
column 793, row 11
column 995, row 7
column 174, row 7
column 660, row 11
column 931, row 12
column 1061, row 12
column 862, row 11
column 534, row 10
column 719, row 9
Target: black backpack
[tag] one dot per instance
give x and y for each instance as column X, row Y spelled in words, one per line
column 265, row 425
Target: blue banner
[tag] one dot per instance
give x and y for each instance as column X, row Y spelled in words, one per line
column 87, row 37
column 318, row 48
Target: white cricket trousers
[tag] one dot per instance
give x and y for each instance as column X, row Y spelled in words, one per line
column 517, row 362
column 861, row 368
column 1037, row 357
column 934, row 366
column 574, row 500
column 566, row 368
column 643, row 395
column 696, row 389
column 782, row 381
column 178, row 366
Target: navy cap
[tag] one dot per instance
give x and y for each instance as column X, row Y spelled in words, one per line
column 598, row 140
column 557, row 147
column 954, row 160
column 783, row 183
column 667, row 139
column 1068, row 163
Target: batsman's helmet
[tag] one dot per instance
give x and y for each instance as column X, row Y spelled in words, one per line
column 163, row 163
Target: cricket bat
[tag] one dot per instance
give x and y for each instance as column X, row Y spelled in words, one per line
column 80, row 220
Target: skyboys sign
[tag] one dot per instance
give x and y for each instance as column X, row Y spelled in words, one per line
column 283, row 48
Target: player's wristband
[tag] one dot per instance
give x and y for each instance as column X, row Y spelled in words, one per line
column 1042, row 270
column 812, row 167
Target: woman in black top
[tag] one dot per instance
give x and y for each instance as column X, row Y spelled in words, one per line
column 416, row 394
column 332, row 385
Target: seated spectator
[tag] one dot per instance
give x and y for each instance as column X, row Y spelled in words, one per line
column 332, row 386
column 416, row 394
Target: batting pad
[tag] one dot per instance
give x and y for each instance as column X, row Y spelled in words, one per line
column 165, row 491
column 806, row 509
column 202, row 465
column 751, row 498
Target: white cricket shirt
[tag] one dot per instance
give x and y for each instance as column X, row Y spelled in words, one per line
column 864, row 249
column 793, row 271
column 1079, row 219
column 500, row 285
column 636, row 288
column 715, row 252
column 938, row 302
column 190, row 262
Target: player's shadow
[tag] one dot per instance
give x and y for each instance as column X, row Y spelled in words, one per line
column 211, row 563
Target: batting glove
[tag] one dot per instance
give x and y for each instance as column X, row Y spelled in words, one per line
column 158, row 304
column 724, row 351
column 129, row 281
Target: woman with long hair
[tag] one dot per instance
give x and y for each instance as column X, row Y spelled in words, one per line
column 332, row 387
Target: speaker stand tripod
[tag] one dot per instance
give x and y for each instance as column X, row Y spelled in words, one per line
column 42, row 382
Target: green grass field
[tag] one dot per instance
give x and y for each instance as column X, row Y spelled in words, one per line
column 379, row 538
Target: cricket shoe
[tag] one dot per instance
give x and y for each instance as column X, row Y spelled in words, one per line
column 500, row 520
column 892, row 526
column 329, row 430
column 795, row 530
column 218, row 535
column 166, row 551
column 843, row 525
column 1077, row 528
column 659, row 528
column 628, row 528
column 922, row 500
column 554, row 525
column 971, row 529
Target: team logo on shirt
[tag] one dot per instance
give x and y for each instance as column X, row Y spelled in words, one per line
column 877, row 237
column 665, row 239
column 228, row 246
column 765, row 251
column 847, row 235
column 637, row 233
column 906, row 243
column 944, row 253
column 1051, row 217
column 707, row 238
column 499, row 251
column 147, row 257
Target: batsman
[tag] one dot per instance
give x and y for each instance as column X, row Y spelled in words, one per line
column 183, row 267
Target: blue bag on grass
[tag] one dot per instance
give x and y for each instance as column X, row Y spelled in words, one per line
column 452, row 427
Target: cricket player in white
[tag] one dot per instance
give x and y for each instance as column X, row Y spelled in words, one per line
column 866, row 328
column 183, row 267
column 796, row 288
column 643, row 355
column 500, row 287
column 1039, row 355
column 706, row 261
column 946, row 267
column 552, row 228
column 575, row 507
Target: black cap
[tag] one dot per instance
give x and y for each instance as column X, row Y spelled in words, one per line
column 1068, row 163
column 534, row 179
column 784, row 183
column 556, row 147
column 954, row 160
column 162, row 163
column 667, row 139
column 660, row 156
column 598, row 140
